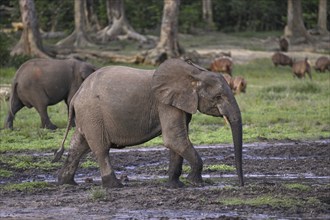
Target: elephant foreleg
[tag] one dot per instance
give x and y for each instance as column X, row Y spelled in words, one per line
column 196, row 164
column 174, row 124
column 175, row 170
column 78, row 148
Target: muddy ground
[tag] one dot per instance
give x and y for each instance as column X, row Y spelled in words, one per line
column 287, row 180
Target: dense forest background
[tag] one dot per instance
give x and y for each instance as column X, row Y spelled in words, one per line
column 145, row 15
column 154, row 24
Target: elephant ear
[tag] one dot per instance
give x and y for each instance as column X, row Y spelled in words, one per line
column 85, row 69
column 175, row 82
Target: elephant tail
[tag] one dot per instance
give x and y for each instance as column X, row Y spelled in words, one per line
column 13, row 96
column 58, row 154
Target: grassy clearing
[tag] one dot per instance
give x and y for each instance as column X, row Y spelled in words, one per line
column 275, row 107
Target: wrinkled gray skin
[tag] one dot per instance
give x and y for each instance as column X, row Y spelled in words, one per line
column 121, row 106
column 39, row 83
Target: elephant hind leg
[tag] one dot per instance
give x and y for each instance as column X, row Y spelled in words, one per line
column 45, row 121
column 109, row 179
column 15, row 105
column 101, row 150
column 78, row 148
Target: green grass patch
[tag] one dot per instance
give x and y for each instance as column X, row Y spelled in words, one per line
column 98, row 194
column 212, row 168
column 220, row 167
column 5, row 173
column 7, row 74
column 297, row 186
column 269, row 200
column 29, row 162
column 26, row 186
column 89, row 164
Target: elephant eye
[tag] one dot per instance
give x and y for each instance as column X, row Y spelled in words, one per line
column 218, row 97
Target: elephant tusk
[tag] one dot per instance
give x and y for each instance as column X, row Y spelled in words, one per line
column 226, row 120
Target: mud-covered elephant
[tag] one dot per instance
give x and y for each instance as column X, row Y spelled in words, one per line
column 122, row 106
column 40, row 83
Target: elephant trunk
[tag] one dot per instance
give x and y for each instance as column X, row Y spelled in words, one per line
column 235, row 121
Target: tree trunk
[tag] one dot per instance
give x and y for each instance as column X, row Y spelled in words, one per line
column 168, row 45
column 207, row 13
column 79, row 37
column 322, row 17
column 118, row 27
column 295, row 29
column 30, row 42
column 92, row 21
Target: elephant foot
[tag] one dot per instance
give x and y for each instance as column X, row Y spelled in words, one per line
column 174, row 184
column 110, row 181
column 9, row 125
column 195, row 180
column 50, row 126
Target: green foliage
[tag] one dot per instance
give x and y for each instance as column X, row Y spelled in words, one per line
column 17, row 60
column 5, row 173
column 26, row 186
column 4, row 50
column 270, row 200
column 253, row 15
column 297, row 186
column 5, row 59
column 89, row 164
column 220, row 167
column 28, row 135
column 24, row 162
column 212, row 168
column 6, row 76
column 190, row 16
column 146, row 15
column 98, row 194
column 55, row 15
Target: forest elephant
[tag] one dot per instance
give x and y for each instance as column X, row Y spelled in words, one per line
column 121, row 106
column 40, row 83
column 301, row 67
column 322, row 64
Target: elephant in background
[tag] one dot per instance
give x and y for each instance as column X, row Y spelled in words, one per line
column 121, row 106
column 39, row 83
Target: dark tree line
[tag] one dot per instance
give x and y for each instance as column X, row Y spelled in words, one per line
column 145, row 15
column 100, row 21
